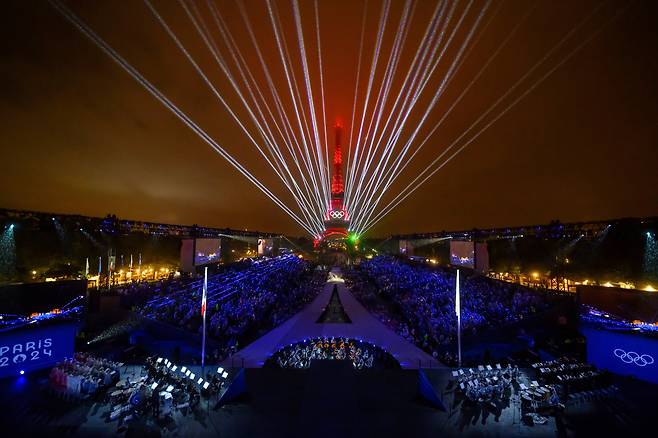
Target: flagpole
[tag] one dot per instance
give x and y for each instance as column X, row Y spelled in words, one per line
column 459, row 331
column 203, row 315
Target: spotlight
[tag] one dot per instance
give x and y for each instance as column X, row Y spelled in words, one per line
column 22, row 372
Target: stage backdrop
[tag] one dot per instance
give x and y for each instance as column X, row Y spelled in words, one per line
column 35, row 347
column 625, row 353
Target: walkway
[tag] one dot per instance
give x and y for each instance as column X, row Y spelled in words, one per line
column 364, row 326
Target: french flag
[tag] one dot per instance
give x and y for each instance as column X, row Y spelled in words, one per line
column 203, row 296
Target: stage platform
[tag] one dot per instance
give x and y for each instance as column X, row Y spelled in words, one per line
column 363, row 326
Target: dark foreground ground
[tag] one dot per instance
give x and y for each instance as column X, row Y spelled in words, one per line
column 327, row 400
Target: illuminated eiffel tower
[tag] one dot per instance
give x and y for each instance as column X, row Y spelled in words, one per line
column 336, row 220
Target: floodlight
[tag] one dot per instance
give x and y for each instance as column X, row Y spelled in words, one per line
column 199, row 381
column 154, row 385
column 192, row 376
column 205, row 385
column 174, row 368
column 159, row 360
column 169, row 388
column 220, row 370
column 225, row 374
column 182, row 370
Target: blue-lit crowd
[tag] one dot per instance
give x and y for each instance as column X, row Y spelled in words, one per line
column 242, row 302
column 419, row 301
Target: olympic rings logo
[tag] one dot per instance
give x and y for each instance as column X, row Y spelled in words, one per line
column 337, row 214
column 640, row 360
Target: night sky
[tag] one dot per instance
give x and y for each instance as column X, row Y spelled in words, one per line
column 79, row 135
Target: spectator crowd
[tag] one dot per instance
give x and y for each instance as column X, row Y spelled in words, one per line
column 418, row 302
column 242, row 301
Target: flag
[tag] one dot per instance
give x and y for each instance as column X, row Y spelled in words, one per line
column 457, row 303
column 203, row 315
column 205, row 291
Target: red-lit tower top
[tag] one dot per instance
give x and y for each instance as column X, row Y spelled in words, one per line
column 337, row 186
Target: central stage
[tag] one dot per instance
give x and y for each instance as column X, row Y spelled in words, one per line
column 363, row 326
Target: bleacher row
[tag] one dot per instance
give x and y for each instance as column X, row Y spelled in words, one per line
column 223, row 285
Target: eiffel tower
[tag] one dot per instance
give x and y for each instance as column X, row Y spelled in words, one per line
column 337, row 218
